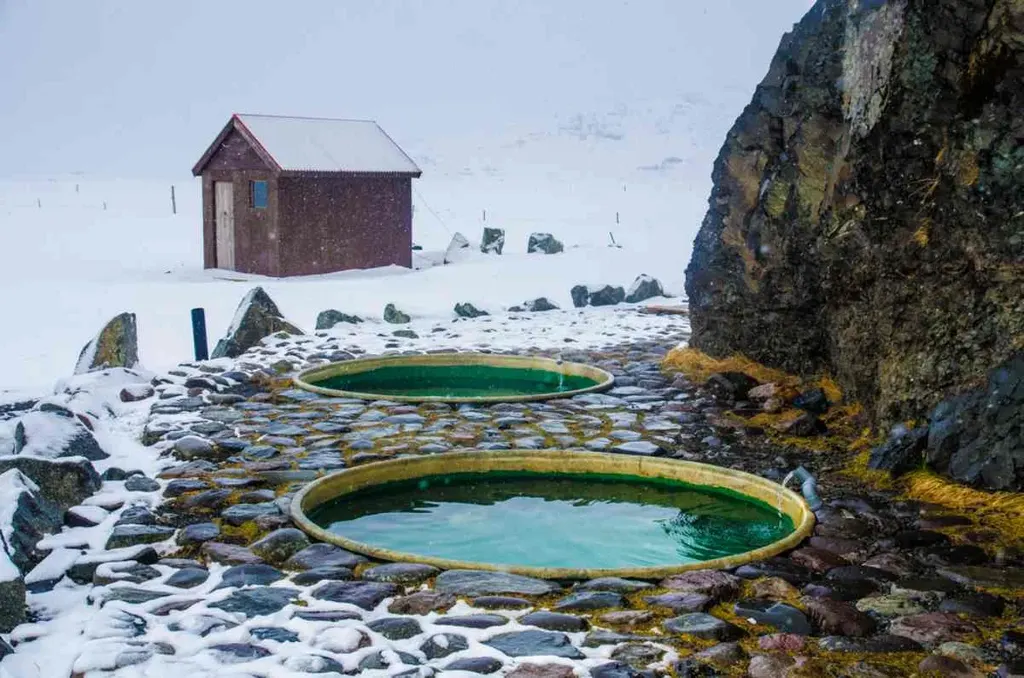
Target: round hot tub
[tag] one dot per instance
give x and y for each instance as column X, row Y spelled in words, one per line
column 454, row 378
column 559, row 515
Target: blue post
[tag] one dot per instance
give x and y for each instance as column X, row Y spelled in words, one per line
column 199, row 334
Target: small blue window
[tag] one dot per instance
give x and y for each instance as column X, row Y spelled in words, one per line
column 259, row 194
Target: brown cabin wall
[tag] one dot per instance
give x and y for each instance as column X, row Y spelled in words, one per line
column 334, row 223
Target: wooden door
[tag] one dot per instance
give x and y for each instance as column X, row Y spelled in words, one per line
column 224, row 211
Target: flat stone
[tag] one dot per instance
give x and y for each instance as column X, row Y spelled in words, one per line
column 257, row 600
column 193, row 447
column 937, row 664
column 817, row 560
column 364, row 594
column 129, row 594
column 773, row 588
column 280, row 545
column 534, row 644
column 213, row 500
column 681, row 603
column 770, row 666
column 590, row 600
column 780, row 615
column 856, row 573
column 141, row 484
column 259, row 574
column 884, row 643
column 188, row 577
column 501, row 603
column 442, row 645
column 228, row 554
column 985, row 577
column 421, row 602
column 837, row 618
column 722, row 655
column 643, row 448
column 237, row 653
column 472, row 621
column 616, row 584
column 893, row 604
column 239, row 514
column 932, row 628
column 704, row 626
column 134, row 535
column 623, row 617
column 136, row 515
column 400, row 573
column 541, row 671
column 275, row 633
column 326, row 616
column 396, row 628
column 482, row 583
column 319, row 574
column 789, row 643
column 601, row 637
column 783, row 568
column 481, row 665
column 323, row 555
column 198, row 533
column 638, row 655
column 555, row 621
column 713, row 583
column 974, row 604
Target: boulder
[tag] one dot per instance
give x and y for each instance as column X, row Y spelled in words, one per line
column 643, row 288
column 12, row 594
column 325, row 320
column 455, row 248
column 394, row 316
column 544, row 243
column 494, row 241
column 257, row 317
column 117, row 345
column 902, row 452
column 605, row 295
column 26, row 516
column 793, row 267
column 467, row 310
column 64, row 482
column 537, row 305
column 53, row 434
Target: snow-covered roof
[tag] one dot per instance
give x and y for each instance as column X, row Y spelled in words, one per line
column 323, row 144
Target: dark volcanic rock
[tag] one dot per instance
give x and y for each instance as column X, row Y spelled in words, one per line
column 322, row 555
column 704, row 626
column 534, row 644
column 793, row 266
column 364, row 594
column 442, row 645
column 472, row 621
column 256, row 600
column 280, row 545
column 396, row 628
column 257, row 317
column 482, row 583
column 400, row 573
column 554, row 621
column 482, row 665
column 258, row 574
column 902, row 453
column 325, row 320
column 590, row 600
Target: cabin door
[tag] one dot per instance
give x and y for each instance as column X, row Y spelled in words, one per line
column 224, row 217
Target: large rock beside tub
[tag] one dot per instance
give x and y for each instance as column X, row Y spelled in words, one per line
column 257, row 317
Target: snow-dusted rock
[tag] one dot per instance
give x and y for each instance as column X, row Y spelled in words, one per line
column 535, row 306
column 64, row 482
column 257, row 317
column 26, row 516
column 643, row 288
column 454, row 251
column 12, row 592
column 55, row 432
column 468, row 310
column 544, row 243
column 117, row 345
column 325, row 320
column 494, row 241
column 394, row 316
column 606, row 295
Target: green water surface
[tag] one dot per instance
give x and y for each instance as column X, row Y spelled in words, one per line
column 550, row 520
column 455, row 381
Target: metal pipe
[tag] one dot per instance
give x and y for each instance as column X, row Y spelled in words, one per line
column 808, row 486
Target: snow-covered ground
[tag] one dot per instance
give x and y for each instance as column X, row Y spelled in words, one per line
column 80, row 249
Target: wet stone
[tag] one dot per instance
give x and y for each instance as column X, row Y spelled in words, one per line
column 817, row 560
column 257, row 600
column 482, row 583
column 681, row 603
column 703, row 626
column 250, row 575
column 894, row 604
column 326, row 616
column 616, row 584
column 616, row 670
column 237, row 653
column 624, row 618
column 364, row 594
column 180, row 486
column 229, row 554
column 259, row 452
column 722, row 655
column 280, row 545
column 187, row 578
column 319, row 574
column 275, row 633
column 239, row 514
column 837, row 618
column 396, row 628
column 400, row 573
column 198, row 533
column 883, row 643
column 975, row 604
column 713, row 583
column 472, row 621
column 780, row 615
column 782, row 568
column 783, row 642
column 533, row 644
column 590, row 600
column 481, row 665
column 141, row 484
column 136, row 515
column 985, row 577
column 133, row 535
column 638, row 655
column 422, row 602
column 201, row 625
column 130, row 595
column 442, row 645
column 554, row 621
column 932, row 628
column 501, row 603
column 213, row 499
column 643, row 448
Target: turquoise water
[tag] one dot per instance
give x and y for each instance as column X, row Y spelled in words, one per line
column 545, row 520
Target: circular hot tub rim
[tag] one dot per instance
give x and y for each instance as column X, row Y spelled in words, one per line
column 604, row 379
column 346, row 481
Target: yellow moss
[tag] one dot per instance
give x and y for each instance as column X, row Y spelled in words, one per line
column 243, row 534
column 831, row 389
column 968, row 170
column 921, row 235
column 858, row 470
column 698, row 366
column 1001, row 511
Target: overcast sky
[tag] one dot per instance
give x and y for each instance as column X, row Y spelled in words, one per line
column 140, row 87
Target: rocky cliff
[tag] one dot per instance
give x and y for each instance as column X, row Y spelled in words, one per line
column 867, row 216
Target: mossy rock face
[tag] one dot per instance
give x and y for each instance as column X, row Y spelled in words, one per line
column 117, row 345
column 865, row 219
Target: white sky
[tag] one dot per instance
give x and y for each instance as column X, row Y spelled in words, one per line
column 140, row 87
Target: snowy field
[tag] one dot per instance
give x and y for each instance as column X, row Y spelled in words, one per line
column 80, row 249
